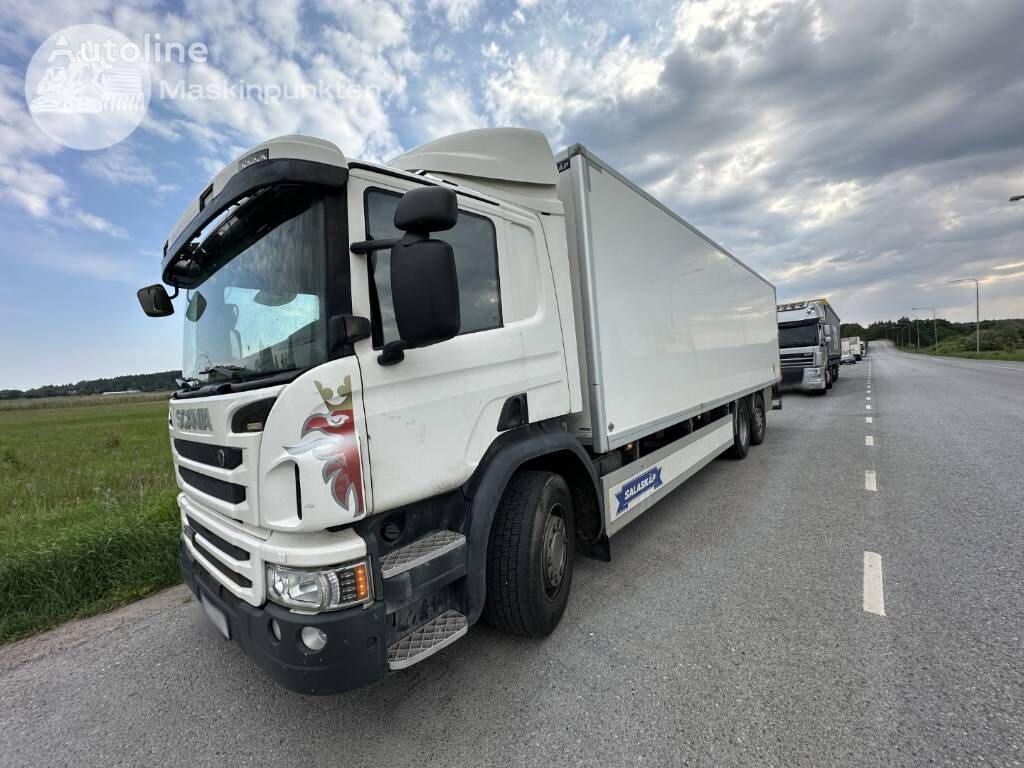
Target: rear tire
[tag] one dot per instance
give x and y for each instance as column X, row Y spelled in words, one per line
column 740, row 429
column 530, row 555
column 758, row 421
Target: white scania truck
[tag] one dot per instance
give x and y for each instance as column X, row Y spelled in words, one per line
column 413, row 392
column 810, row 345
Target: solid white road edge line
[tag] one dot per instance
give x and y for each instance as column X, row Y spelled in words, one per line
column 874, row 598
column 869, row 480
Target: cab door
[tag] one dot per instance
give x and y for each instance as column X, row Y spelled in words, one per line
column 431, row 416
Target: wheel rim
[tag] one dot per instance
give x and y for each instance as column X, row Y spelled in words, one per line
column 555, row 545
column 759, row 419
column 744, row 426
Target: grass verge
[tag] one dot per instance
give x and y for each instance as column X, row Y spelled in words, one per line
column 88, row 519
column 1016, row 355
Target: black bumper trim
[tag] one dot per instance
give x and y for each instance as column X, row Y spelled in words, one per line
column 356, row 651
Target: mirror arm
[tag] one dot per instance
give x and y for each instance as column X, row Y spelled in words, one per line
column 369, row 246
column 177, row 288
column 392, row 352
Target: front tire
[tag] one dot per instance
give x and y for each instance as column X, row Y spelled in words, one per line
column 758, row 421
column 530, row 555
column 740, row 430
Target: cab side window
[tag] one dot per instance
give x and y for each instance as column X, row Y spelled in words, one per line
column 476, row 264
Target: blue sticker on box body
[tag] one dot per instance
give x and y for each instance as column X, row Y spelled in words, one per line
column 638, row 486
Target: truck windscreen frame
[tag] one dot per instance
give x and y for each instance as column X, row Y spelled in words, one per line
column 801, row 334
column 271, row 274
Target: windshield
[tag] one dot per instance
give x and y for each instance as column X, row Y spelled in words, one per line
column 260, row 310
column 799, row 335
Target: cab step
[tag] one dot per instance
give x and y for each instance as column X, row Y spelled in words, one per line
column 419, row 552
column 427, row 640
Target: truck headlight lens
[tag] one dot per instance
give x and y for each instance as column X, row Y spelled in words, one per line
column 319, row 589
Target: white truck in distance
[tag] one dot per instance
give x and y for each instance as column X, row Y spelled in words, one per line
column 856, row 347
column 847, row 353
column 413, row 392
column 810, row 344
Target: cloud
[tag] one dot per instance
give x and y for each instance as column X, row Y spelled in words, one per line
column 457, row 12
column 99, row 224
column 449, row 109
column 855, row 149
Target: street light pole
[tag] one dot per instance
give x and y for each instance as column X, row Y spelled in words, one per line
column 935, row 327
column 977, row 308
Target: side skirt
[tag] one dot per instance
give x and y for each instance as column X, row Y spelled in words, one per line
column 631, row 489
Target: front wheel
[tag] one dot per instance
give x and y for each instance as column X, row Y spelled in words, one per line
column 530, row 555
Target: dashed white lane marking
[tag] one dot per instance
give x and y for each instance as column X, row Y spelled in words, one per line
column 868, row 407
column 869, row 480
column 869, row 440
column 874, row 598
column 868, row 419
column 867, row 398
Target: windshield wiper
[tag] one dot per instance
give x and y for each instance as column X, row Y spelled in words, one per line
column 227, row 370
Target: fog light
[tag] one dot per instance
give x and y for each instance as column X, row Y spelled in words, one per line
column 313, row 638
column 275, row 628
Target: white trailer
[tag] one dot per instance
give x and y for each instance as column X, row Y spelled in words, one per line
column 856, row 347
column 411, row 393
column 672, row 324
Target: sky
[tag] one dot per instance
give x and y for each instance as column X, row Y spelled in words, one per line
column 864, row 150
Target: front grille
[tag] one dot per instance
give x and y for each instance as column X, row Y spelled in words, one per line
column 224, row 546
column 219, row 489
column 802, row 360
column 214, row 455
column 211, row 558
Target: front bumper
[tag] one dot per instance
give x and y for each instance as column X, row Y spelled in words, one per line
column 356, row 650
column 804, row 378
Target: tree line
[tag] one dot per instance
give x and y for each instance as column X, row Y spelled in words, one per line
column 996, row 335
column 163, row 381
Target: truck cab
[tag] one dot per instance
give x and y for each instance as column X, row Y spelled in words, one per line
column 809, row 345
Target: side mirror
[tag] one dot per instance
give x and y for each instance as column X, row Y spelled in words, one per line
column 155, row 301
column 425, row 295
column 424, row 284
column 427, row 209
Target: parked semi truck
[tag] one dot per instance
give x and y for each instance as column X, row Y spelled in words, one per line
column 810, row 344
column 413, row 392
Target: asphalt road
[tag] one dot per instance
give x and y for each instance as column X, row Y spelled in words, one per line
column 735, row 625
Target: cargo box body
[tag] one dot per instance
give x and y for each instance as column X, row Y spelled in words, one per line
column 669, row 324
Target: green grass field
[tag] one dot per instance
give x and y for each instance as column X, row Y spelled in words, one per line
column 88, row 519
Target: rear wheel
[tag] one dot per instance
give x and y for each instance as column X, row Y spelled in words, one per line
column 740, row 429
column 758, row 421
column 530, row 555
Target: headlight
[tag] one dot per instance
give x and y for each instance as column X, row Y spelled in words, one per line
column 320, row 589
